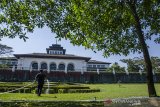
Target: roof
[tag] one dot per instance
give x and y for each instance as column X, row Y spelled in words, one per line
column 8, row 58
column 44, row 55
column 97, row 62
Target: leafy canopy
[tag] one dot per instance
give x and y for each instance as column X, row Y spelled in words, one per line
column 136, row 64
column 116, row 67
column 106, row 25
column 4, row 49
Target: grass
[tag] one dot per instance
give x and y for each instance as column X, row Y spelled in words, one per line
column 107, row 91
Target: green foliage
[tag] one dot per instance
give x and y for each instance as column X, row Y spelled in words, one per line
column 107, row 91
column 62, row 91
column 131, row 65
column 18, row 17
column 116, row 67
column 53, row 104
column 136, row 64
column 83, row 90
column 155, row 63
column 78, row 90
column 34, row 91
column 109, row 26
column 4, row 66
column 4, row 49
column 60, row 88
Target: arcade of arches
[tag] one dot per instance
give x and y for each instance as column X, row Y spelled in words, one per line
column 52, row 66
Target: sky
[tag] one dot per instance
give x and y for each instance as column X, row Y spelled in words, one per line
column 41, row 39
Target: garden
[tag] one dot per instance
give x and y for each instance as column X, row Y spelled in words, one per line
column 69, row 94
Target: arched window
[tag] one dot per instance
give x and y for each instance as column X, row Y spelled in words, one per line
column 43, row 66
column 35, row 65
column 53, row 66
column 70, row 67
column 61, row 67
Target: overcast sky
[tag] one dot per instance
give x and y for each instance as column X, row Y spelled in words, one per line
column 41, row 39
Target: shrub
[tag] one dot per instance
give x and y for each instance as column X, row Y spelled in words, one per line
column 53, row 104
column 27, row 90
column 62, row 91
column 33, row 91
column 83, row 90
column 4, row 66
column 51, row 91
column 21, row 90
column 72, row 87
column 2, row 89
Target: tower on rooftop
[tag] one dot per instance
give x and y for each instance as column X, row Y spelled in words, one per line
column 56, row 49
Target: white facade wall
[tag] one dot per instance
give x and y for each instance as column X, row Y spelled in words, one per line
column 96, row 65
column 25, row 63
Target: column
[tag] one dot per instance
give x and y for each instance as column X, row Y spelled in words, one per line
column 97, row 71
column 66, row 68
column 82, row 71
column 31, row 68
column 39, row 66
column 48, row 68
column 13, row 68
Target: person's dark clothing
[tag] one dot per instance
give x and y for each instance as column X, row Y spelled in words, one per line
column 39, row 89
column 40, row 77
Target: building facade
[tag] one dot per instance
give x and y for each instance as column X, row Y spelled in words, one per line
column 8, row 61
column 56, row 59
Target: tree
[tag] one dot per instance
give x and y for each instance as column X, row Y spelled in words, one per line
column 116, row 67
column 137, row 64
column 156, row 63
column 4, row 49
column 132, row 66
column 111, row 26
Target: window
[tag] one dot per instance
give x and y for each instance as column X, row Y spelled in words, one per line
column 4, row 62
column 14, row 63
column 98, row 66
column 70, row 67
column 94, row 66
column 61, row 52
column 50, row 52
column 102, row 66
column 8, row 62
column 56, row 52
column 89, row 66
column 61, row 67
column 34, row 65
column 53, row 66
column 43, row 66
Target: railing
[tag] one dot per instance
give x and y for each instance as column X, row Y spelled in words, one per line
column 84, row 69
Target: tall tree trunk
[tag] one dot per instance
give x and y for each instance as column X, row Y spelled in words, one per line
column 148, row 64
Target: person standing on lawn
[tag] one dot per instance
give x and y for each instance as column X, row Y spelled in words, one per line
column 40, row 77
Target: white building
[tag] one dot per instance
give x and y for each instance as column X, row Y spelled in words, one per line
column 56, row 59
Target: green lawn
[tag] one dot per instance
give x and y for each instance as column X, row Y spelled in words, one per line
column 107, row 91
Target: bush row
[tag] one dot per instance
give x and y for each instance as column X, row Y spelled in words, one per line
column 53, row 104
column 78, row 90
column 83, row 90
column 24, row 90
column 51, row 91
